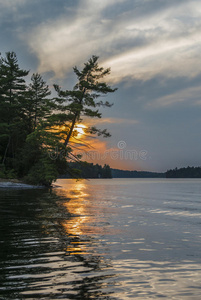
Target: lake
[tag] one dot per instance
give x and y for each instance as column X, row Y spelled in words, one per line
column 102, row 239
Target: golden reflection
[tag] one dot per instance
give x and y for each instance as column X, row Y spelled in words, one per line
column 84, row 217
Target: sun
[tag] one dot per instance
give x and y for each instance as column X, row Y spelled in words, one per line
column 80, row 130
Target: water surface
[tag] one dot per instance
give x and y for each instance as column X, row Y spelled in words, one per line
column 102, row 239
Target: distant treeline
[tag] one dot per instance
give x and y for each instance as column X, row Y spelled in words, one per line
column 87, row 170
column 135, row 174
column 189, row 172
column 90, row 170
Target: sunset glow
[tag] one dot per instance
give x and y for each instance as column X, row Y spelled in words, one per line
column 153, row 49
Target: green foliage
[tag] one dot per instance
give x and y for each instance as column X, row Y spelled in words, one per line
column 38, row 107
column 32, row 125
column 43, row 172
column 82, row 100
column 7, row 174
column 11, row 174
column 2, row 171
column 12, row 88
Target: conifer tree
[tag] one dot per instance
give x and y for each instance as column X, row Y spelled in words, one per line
column 38, row 106
column 32, row 125
column 12, row 88
column 83, row 99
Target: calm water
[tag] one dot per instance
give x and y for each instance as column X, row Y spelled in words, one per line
column 102, row 239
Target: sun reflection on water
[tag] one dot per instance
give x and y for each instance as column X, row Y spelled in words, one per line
column 85, row 221
column 86, row 240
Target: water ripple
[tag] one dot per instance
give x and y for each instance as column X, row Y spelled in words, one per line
column 101, row 240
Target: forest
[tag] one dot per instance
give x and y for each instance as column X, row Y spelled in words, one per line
column 87, row 170
column 135, row 174
column 33, row 124
column 189, row 172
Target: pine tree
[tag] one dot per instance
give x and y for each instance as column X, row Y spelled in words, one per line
column 32, row 125
column 37, row 106
column 83, row 99
column 12, row 88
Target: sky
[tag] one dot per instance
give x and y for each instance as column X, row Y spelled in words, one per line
column 154, row 50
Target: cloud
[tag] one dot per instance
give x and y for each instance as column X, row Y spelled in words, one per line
column 11, row 3
column 11, row 7
column 61, row 44
column 113, row 121
column 170, row 44
column 166, row 40
column 175, row 57
column 190, row 95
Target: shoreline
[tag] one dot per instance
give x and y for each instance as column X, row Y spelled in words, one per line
column 17, row 184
